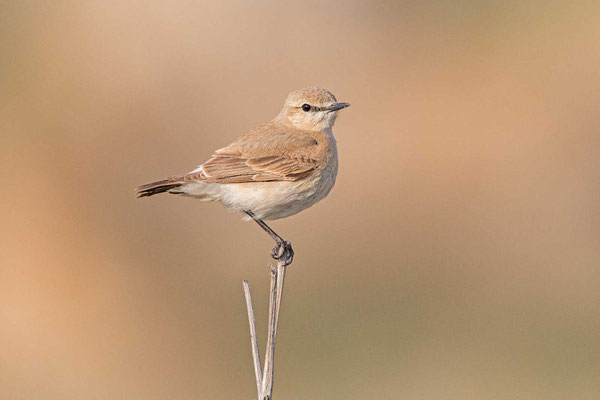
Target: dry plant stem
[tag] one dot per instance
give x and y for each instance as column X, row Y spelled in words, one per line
column 253, row 339
column 269, row 350
column 264, row 381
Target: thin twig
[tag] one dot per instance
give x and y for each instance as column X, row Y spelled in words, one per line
column 253, row 339
column 267, row 384
column 280, row 280
column 268, row 375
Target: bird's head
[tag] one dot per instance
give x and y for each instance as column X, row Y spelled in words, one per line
column 310, row 109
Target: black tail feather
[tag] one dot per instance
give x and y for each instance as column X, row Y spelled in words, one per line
column 153, row 188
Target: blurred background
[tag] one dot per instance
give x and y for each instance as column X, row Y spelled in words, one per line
column 456, row 258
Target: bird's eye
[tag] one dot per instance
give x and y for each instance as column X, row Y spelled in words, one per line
column 306, row 107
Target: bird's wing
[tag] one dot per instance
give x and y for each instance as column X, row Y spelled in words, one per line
column 271, row 152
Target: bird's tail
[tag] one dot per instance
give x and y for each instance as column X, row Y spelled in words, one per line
column 153, row 188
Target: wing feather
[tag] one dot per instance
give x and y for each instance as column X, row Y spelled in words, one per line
column 272, row 152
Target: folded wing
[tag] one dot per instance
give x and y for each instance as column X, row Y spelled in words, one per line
column 269, row 153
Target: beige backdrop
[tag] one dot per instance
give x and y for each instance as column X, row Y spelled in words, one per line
column 456, row 258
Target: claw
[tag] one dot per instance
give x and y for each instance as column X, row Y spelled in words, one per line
column 283, row 252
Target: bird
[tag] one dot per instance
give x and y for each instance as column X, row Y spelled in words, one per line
column 273, row 171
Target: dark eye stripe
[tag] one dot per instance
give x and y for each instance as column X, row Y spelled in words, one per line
column 314, row 108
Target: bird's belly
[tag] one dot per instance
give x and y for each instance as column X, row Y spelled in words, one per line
column 274, row 200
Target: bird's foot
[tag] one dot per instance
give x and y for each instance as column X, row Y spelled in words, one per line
column 283, row 253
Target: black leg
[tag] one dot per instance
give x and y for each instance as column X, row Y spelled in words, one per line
column 266, row 228
column 283, row 249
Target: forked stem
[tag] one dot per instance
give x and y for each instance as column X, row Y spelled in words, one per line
column 264, row 380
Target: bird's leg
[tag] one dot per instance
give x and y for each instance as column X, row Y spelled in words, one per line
column 283, row 249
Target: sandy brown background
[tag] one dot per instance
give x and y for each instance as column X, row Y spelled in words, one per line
column 456, row 258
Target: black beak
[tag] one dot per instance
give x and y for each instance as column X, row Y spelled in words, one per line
column 338, row 106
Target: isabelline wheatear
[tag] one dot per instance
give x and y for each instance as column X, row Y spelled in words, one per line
column 274, row 171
